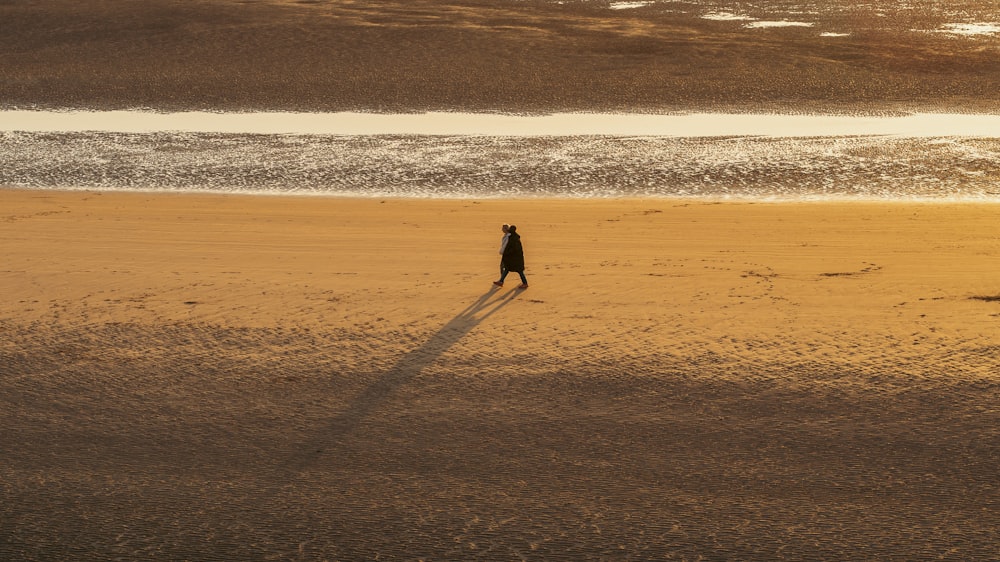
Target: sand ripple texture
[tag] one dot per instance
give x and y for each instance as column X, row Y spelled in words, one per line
column 866, row 167
column 193, row 448
column 252, row 378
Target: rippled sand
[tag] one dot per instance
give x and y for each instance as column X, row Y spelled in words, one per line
column 249, row 378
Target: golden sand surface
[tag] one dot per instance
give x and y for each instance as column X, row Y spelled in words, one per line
column 302, row 378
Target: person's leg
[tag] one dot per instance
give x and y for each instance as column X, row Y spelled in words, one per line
column 524, row 280
column 503, row 276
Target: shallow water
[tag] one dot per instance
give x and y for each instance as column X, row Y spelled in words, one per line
column 766, row 157
column 754, row 168
column 973, row 20
column 969, row 20
column 490, row 124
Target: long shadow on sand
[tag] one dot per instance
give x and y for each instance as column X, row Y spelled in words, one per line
column 405, row 369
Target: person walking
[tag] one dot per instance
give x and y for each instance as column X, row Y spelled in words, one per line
column 503, row 246
column 513, row 258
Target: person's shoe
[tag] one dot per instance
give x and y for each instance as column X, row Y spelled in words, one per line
column 522, row 286
column 498, row 284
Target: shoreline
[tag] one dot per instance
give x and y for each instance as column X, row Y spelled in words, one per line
column 757, row 168
column 993, row 199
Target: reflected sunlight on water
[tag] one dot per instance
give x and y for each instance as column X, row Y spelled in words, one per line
column 483, row 124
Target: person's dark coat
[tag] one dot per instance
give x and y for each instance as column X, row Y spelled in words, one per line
column 513, row 254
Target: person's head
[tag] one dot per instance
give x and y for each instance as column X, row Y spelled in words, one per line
column 512, row 228
column 505, row 228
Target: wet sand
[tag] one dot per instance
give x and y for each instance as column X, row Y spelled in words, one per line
column 236, row 378
column 478, row 55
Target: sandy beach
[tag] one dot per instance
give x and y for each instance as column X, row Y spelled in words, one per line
column 246, row 378
column 209, row 376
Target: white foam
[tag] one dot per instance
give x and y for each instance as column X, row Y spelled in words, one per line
column 627, row 5
column 779, row 23
column 970, row 28
column 488, row 124
column 725, row 16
